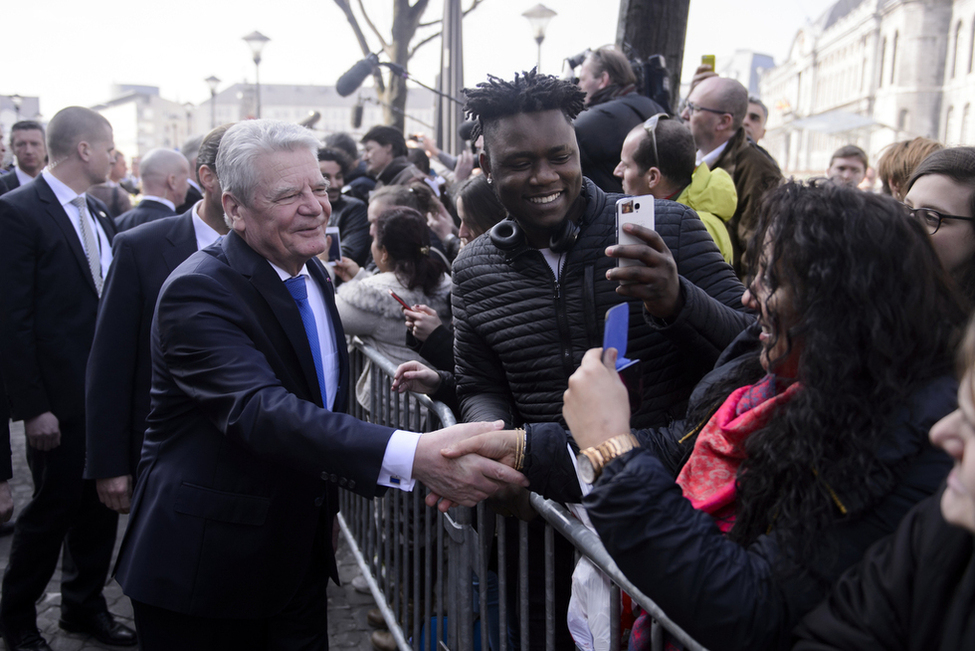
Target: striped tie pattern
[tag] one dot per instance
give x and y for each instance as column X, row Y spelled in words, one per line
column 90, row 243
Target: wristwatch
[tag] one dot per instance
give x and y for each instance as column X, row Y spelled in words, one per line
column 593, row 460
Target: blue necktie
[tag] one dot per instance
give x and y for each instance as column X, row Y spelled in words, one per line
column 300, row 293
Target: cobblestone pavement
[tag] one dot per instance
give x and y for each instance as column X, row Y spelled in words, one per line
column 347, row 626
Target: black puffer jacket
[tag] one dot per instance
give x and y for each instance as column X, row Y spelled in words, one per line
column 520, row 333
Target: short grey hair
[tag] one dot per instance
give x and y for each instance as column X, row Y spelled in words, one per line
column 247, row 141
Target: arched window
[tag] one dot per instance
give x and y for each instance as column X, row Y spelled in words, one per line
column 883, row 55
column 971, row 48
column 902, row 120
column 964, row 137
column 949, row 125
column 954, row 55
column 893, row 57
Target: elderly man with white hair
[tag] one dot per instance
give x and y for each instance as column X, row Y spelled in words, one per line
column 228, row 544
column 165, row 180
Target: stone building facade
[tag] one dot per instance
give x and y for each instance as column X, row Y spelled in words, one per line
column 872, row 72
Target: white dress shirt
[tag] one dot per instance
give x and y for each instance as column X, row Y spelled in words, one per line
column 397, row 467
column 711, row 156
column 22, row 177
column 205, row 235
column 65, row 196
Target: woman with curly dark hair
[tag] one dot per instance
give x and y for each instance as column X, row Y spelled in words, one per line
column 808, row 438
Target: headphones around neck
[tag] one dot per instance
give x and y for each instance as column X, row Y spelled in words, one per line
column 508, row 236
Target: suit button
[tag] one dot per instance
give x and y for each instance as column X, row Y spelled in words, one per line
column 318, row 501
column 342, row 481
column 334, row 478
column 351, row 483
column 324, row 476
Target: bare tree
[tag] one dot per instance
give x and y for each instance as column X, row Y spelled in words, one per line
column 648, row 27
column 398, row 47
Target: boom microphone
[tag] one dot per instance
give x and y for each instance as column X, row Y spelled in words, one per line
column 351, row 80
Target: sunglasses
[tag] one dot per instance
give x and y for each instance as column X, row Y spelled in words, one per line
column 650, row 126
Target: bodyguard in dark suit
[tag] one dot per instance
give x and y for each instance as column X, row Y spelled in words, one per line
column 54, row 251
column 119, row 368
column 228, row 544
column 8, row 182
column 27, row 145
column 165, row 179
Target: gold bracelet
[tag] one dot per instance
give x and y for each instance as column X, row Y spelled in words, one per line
column 520, row 449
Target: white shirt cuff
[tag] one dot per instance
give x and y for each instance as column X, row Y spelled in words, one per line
column 397, row 468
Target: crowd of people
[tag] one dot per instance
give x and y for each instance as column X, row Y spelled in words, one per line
column 767, row 477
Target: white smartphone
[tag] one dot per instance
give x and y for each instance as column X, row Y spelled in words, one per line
column 633, row 210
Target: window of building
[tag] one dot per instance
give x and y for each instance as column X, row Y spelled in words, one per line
column 963, row 134
column 893, row 57
column 949, row 124
column 902, row 120
column 971, row 48
column 954, row 52
column 883, row 55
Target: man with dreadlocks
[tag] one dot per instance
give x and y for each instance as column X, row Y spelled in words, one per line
column 531, row 299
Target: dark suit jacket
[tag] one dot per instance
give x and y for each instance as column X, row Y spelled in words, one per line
column 240, row 460
column 192, row 196
column 8, row 182
column 147, row 211
column 350, row 215
column 119, row 368
column 48, row 304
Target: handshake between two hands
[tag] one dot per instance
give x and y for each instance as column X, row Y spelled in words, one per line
column 467, row 463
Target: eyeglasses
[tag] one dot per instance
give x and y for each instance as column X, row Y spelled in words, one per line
column 651, row 128
column 691, row 107
column 932, row 219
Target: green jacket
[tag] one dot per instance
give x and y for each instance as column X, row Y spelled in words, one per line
column 712, row 196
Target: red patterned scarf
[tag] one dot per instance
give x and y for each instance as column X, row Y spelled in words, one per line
column 708, row 478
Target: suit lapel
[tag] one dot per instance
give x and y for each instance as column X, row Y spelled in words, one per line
column 54, row 210
column 266, row 281
column 181, row 240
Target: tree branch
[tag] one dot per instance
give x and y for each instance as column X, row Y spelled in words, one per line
column 422, row 43
column 473, row 6
column 375, row 31
column 347, row 10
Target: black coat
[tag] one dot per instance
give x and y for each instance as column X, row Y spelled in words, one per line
column 147, row 211
column 601, row 130
column 519, row 334
column 349, row 215
column 120, row 366
column 913, row 591
column 240, row 463
column 731, row 597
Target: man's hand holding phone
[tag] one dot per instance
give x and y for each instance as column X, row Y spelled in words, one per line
column 650, row 273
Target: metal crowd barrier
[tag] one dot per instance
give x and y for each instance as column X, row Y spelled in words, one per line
column 428, row 571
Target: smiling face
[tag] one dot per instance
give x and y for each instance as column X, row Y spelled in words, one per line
column 332, row 172
column 955, row 239
column 285, row 221
column 776, row 314
column 955, row 434
column 533, row 159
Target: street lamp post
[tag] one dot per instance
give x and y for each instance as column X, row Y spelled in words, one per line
column 213, row 82
column 257, row 41
column 18, row 102
column 538, row 17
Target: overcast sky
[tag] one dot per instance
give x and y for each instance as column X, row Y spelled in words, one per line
column 69, row 52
